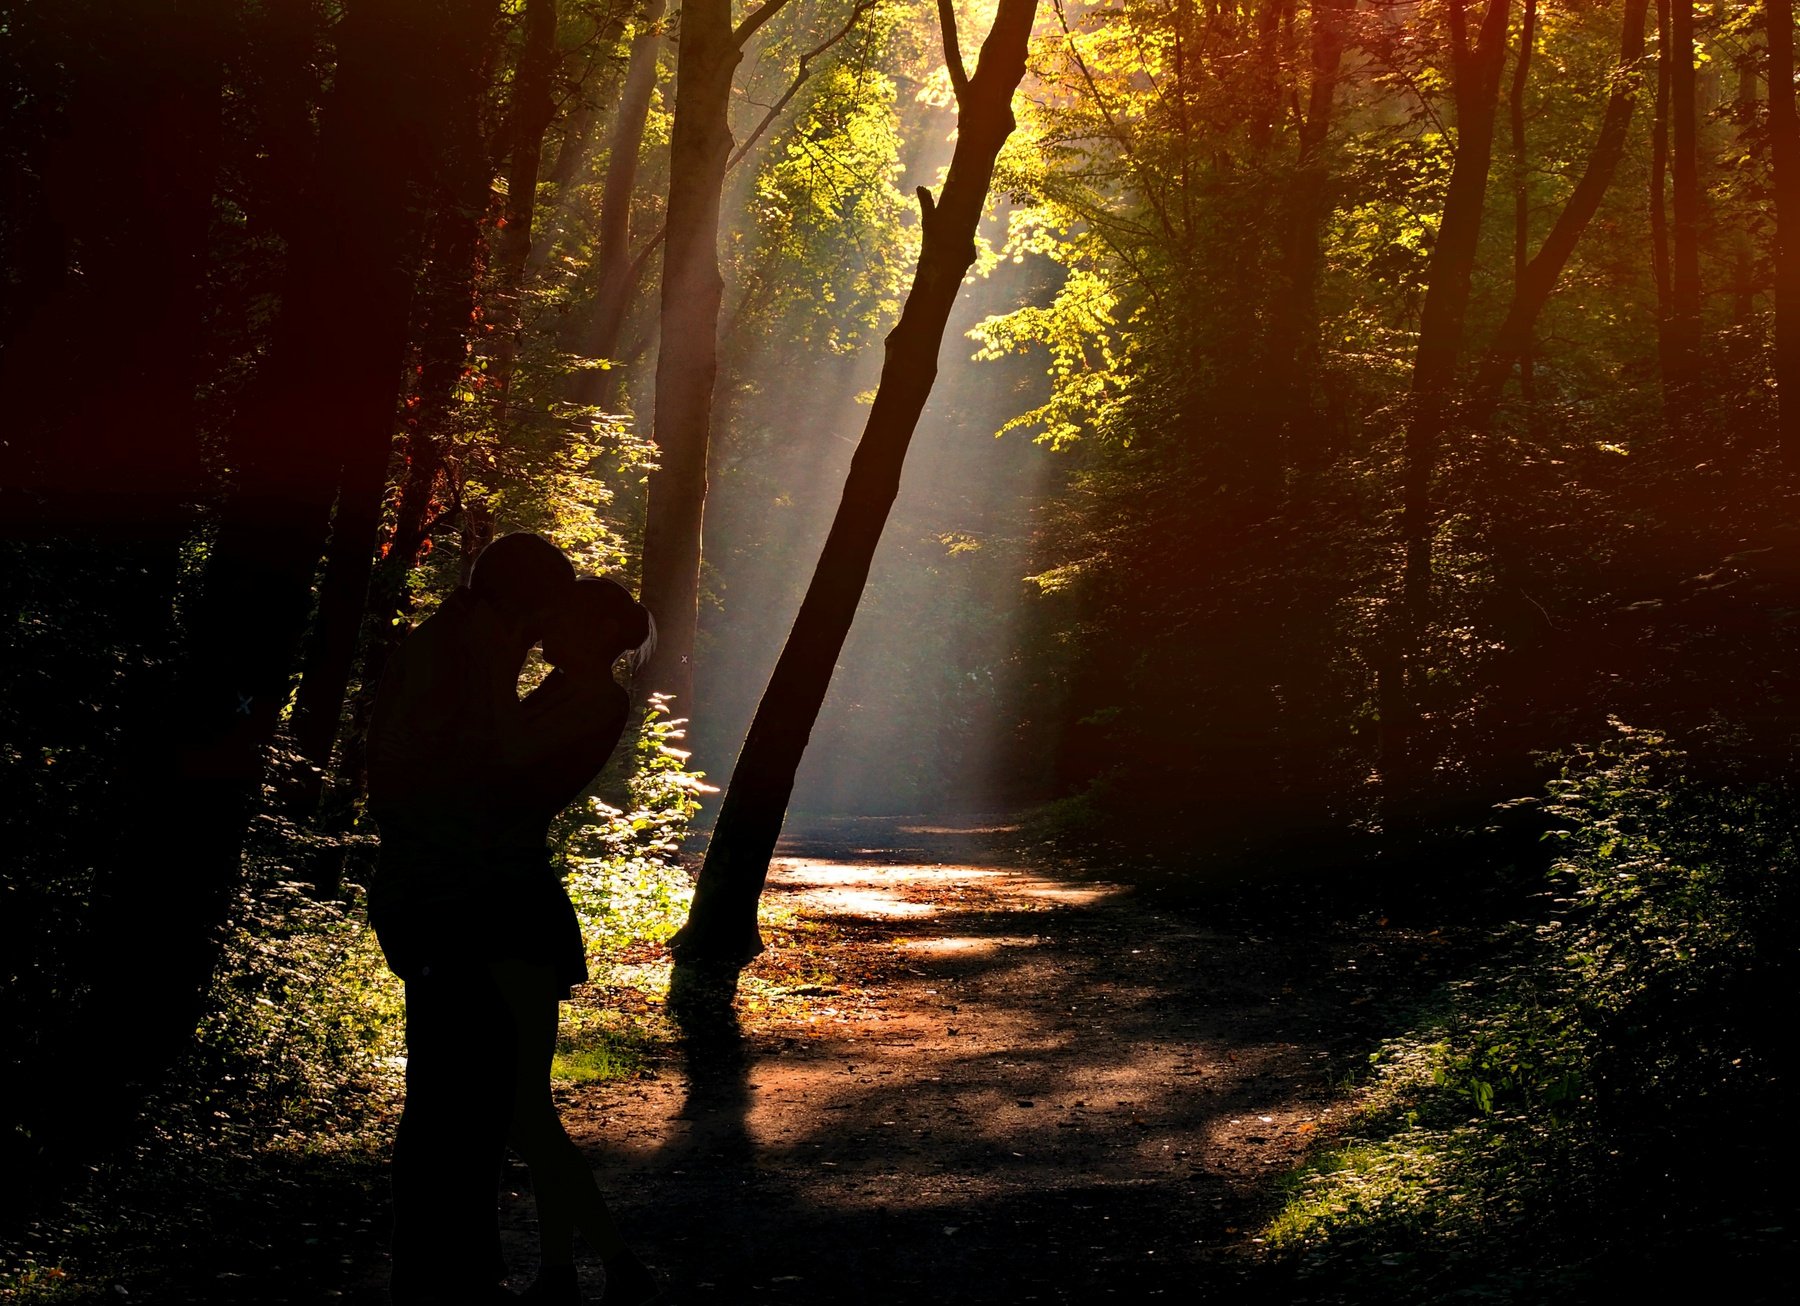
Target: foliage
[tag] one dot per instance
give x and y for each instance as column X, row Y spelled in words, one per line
column 1561, row 1098
column 624, row 864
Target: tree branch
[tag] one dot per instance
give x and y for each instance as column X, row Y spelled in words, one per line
column 800, row 76
column 746, row 29
column 959, row 77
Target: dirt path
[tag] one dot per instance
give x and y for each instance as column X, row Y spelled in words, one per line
column 1014, row 1087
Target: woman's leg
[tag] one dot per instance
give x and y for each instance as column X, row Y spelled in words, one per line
column 568, row 1199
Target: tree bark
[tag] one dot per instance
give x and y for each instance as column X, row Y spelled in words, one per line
column 1476, row 70
column 1537, row 279
column 1784, row 149
column 1659, row 190
column 721, row 932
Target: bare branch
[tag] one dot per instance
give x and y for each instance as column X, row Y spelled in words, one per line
column 959, row 78
column 804, row 71
column 747, row 28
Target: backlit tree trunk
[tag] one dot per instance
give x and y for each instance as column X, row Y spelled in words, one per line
column 687, row 363
column 721, row 928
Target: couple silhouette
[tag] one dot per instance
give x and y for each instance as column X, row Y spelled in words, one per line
column 464, row 780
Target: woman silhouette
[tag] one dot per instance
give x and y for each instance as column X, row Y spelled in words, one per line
column 573, row 722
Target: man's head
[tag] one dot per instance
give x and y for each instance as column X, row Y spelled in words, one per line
column 597, row 623
column 524, row 576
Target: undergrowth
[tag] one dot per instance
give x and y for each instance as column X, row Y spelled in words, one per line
column 264, row 1159
column 1591, row 1113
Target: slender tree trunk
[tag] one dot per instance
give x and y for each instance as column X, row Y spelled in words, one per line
column 612, row 299
column 1681, row 376
column 721, row 928
column 1476, row 71
column 1743, row 257
column 529, row 116
column 1784, row 142
column 1522, row 187
column 1537, row 278
column 1293, row 312
column 688, row 360
column 1659, row 194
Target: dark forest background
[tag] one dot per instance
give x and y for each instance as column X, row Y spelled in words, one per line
column 1397, row 408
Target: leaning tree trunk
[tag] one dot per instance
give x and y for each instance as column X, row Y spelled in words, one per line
column 1537, row 279
column 721, row 928
column 1784, row 148
column 1476, row 70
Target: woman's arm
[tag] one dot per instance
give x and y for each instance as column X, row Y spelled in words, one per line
column 568, row 729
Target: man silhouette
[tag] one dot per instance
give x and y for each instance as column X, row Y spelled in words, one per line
column 447, row 734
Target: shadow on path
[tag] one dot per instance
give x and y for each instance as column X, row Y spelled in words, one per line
column 960, row 1079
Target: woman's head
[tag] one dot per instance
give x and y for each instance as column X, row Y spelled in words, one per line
column 597, row 623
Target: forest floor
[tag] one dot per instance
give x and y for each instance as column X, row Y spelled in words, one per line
column 967, row 1076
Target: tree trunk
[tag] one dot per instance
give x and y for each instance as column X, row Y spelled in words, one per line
column 1659, row 190
column 325, row 393
column 688, row 361
column 449, row 294
column 1681, row 374
column 612, row 299
column 1293, row 309
column 1522, row 187
column 721, row 932
column 1537, row 279
column 528, row 118
column 1476, row 71
column 1784, row 143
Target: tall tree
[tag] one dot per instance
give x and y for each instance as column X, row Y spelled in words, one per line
column 1521, row 180
column 1476, row 66
column 721, row 931
column 1293, row 309
column 1681, row 366
column 1784, row 149
column 687, row 362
